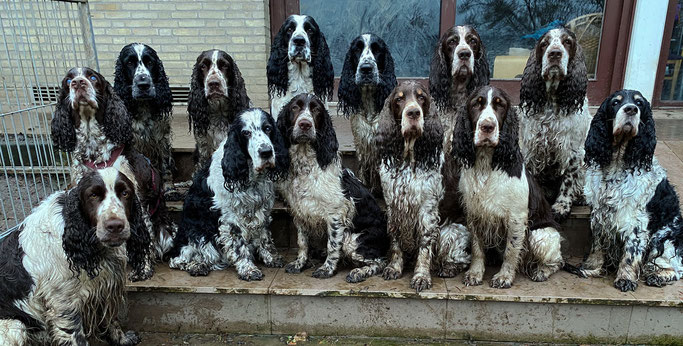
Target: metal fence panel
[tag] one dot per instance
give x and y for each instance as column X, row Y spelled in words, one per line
column 40, row 41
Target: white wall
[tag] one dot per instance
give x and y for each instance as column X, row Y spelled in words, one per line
column 645, row 46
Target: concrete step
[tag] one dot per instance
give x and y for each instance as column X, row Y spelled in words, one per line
column 563, row 309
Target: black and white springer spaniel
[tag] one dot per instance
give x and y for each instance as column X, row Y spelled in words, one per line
column 217, row 95
column 140, row 81
column 409, row 139
column 635, row 214
column 504, row 205
column 299, row 63
column 555, row 118
column 326, row 199
column 91, row 122
column 366, row 80
column 63, row 272
column 226, row 214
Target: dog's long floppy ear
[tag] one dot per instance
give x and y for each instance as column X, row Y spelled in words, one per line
column 641, row 149
column 164, row 97
column 429, row 146
column 197, row 104
column 388, row 138
column 598, row 144
column 463, row 138
column 276, row 70
column 326, row 144
column 387, row 75
column 349, row 92
column 83, row 250
column 118, row 124
column 323, row 70
column 440, row 76
column 234, row 163
column 507, row 155
column 139, row 244
column 532, row 95
column 63, row 127
column 238, row 91
column 279, row 172
column 122, row 86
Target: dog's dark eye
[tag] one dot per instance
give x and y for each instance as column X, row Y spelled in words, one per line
column 567, row 42
column 267, row 129
column 203, row 66
column 639, row 103
column 125, row 194
column 473, row 41
column 93, row 195
column 131, row 63
column 246, row 133
column 452, row 42
column 399, row 99
column 289, row 31
column 421, row 98
column 93, row 78
column 544, row 44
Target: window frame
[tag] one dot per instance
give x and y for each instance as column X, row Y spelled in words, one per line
column 663, row 57
column 612, row 53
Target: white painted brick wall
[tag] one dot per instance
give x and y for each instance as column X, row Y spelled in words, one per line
column 179, row 30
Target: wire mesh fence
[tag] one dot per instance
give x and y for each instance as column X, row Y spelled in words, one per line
column 40, row 41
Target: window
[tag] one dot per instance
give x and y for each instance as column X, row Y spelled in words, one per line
column 510, row 29
column 408, row 27
column 670, row 77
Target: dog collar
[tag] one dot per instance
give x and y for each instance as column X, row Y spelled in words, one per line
column 114, row 156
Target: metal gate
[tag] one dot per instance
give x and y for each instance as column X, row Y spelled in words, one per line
column 40, row 41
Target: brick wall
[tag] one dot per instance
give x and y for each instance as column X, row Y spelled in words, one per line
column 179, row 30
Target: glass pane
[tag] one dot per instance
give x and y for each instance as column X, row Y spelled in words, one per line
column 671, row 90
column 410, row 28
column 510, row 29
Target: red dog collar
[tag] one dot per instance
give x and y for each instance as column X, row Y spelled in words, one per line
column 114, row 155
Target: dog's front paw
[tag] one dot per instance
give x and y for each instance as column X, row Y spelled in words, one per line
column 251, row 275
column 130, row 338
column 141, row 275
column 390, row 273
column 323, row 272
column 293, row 267
column 277, row 262
column 625, row 285
column 473, row 279
column 502, row 280
column 421, row 282
column 451, row 270
column 199, row 269
column 356, row 275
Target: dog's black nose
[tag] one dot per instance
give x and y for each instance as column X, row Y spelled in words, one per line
column 487, row 127
column 413, row 113
column 114, row 226
column 299, row 40
column 555, row 54
column 143, row 82
column 630, row 109
column 265, row 153
column 214, row 84
column 305, row 125
column 366, row 68
column 464, row 55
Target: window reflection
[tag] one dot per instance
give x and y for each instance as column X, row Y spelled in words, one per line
column 409, row 27
column 510, row 28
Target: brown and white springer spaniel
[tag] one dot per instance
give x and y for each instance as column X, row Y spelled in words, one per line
column 92, row 124
column 555, row 118
column 409, row 140
column 64, row 270
column 217, row 95
column 504, row 206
